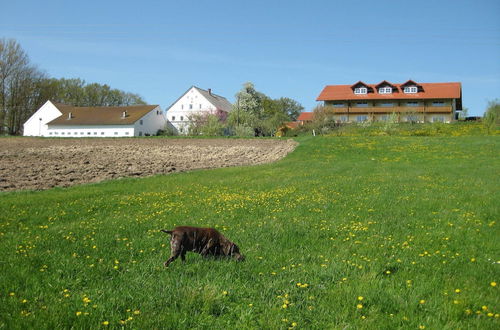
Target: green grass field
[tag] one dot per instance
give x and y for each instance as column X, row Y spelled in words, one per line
column 345, row 232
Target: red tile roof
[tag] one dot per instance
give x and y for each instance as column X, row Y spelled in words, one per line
column 450, row 90
column 305, row 116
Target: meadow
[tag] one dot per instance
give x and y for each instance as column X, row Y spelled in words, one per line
column 345, row 232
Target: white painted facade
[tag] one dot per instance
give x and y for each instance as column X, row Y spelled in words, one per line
column 36, row 125
column 191, row 103
column 149, row 124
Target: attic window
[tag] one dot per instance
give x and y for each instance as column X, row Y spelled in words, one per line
column 385, row 90
column 360, row 90
column 410, row 89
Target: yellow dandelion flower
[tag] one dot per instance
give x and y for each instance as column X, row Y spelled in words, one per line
column 137, row 312
column 360, row 298
column 359, row 306
column 422, row 301
column 78, row 313
column 105, row 323
column 457, row 290
column 493, row 283
column 421, row 326
column 284, row 306
column 224, row 293
column 484, row 308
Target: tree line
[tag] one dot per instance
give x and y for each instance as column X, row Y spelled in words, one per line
column 24, row 88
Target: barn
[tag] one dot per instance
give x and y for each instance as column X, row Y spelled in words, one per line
column 61, row 120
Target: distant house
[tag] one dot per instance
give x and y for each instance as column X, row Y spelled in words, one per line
column 195, row 101
column 305, row 117
column 60, row 120
column 409, row 101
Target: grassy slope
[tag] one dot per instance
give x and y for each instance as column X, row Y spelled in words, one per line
column 408, row 224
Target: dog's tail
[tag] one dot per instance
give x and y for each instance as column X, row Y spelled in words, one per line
column 167, row 231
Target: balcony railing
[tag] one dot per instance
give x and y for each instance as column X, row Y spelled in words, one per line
column 443, row 109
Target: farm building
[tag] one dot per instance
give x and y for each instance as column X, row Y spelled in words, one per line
column 60, row 120
column 195, row 101
column 409, row 101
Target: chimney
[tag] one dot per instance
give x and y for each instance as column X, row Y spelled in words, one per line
column 70, row 115
column 210, row 91
column 124, row 114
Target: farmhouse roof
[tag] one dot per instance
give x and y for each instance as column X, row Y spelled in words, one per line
column 448, row 90
column 305, row 116
column 125, row 115
column 220, row 102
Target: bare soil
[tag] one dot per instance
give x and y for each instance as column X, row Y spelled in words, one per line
column 42, row 163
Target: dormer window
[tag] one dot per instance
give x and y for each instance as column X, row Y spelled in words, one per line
column 410, row 89
column 385, row 90
column 360, row 90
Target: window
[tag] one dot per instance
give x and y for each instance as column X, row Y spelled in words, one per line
column 343, row 119
column 338, row 105
column 182, row 106
column 56, row 133
column 50, row 133
column 95, row 133
column 182, row 118
column 200, row 106
column 190, row 107
column 361, row 118
column 386, row 104
column 383, row 118
column 361, row 104
column 88, row 133
column 62, row 133
column 140, row 133
column 438, row 119
column 140, row 122
column 102, row 133
column 173, row 117
column 412, row 104
column 412, row 118
column 438, row 104
column 75, row 133
column 360, row 90
column 126, row 133
column 116, row 133
column 410, row 89
column 81, row 133
column 385, row 90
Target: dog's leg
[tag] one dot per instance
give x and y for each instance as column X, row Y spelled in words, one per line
column 175, row 250
column 183, row 255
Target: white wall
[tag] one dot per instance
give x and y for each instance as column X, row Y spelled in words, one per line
column 190, row 103
column 36, row 125
column 151, row 122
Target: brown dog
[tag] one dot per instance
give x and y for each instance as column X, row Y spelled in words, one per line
column 205, row 241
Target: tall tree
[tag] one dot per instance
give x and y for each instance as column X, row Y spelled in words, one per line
column 18, row 79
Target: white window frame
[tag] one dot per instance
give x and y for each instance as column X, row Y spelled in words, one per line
column 361, row 90
column 410, row 90
column 385, row 90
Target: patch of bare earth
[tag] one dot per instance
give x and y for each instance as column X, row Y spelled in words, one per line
column 40, row 163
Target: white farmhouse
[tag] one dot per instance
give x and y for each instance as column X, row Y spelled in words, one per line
column 195, row 101
column 60, row 120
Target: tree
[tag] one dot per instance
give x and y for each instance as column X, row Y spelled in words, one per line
column 260, row 112
column 491, row 116
column 18, row 81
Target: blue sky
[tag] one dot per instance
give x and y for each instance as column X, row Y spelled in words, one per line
column 159, row 49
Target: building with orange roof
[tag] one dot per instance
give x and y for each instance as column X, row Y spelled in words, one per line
column 409, row 101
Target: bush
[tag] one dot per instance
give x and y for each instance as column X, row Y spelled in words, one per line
column 243, row 131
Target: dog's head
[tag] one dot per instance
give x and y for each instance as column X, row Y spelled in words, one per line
column 232, row 250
